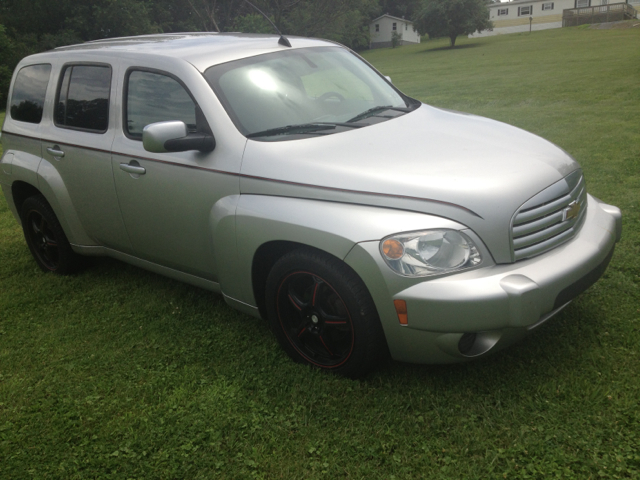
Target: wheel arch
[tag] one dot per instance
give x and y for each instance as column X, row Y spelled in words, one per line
column 20, row 191
column 265, row 258
column 52, row 187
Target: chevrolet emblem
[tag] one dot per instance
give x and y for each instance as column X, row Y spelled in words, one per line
column 572, row 211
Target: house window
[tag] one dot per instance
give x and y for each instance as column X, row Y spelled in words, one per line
column 547, row 6
column 377, row 27
column 394, row 27
column 522, row 11
column 503, row 11
column 583, row 3
column 406, row 26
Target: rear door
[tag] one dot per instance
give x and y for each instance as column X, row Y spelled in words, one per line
column 78, row 145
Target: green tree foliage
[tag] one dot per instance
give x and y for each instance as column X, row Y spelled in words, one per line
column 93, row 19
column 401, row 8
column 252, row 23
column 6, row 60
column 31, row 26
column 396, row 39
column 345, row 21
column 450, row 18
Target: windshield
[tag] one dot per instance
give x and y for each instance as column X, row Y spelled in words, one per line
column 302, row 87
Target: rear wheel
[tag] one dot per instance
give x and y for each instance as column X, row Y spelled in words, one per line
column 323, row 315
column 46, row 239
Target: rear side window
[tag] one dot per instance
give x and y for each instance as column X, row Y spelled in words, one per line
column 154, row 97
column 83, row 98
column 29, row 90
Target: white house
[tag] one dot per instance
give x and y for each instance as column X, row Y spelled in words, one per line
column 381, row 31
column 520, row 15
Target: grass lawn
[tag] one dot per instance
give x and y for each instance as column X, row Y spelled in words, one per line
column 119, row 373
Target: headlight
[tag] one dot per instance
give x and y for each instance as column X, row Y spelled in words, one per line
column 430, row 252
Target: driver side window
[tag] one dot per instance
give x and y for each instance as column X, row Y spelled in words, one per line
column 154, row 97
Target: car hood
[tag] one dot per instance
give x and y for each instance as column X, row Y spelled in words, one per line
column 467, row 168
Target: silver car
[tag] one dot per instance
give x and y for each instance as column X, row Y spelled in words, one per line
column 300, row 184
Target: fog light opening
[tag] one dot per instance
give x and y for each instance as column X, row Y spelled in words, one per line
column 466, row 342
column 474, row 344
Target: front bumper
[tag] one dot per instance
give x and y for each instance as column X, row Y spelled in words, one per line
column 494, row 306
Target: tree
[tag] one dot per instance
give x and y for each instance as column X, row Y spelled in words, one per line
column 6, row 64
column 345, row 21
column 396, row 39
column 450, row 18
column 252, row 23
column 401, row 8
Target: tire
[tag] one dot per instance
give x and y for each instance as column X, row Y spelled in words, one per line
column 46, row 239
column 323, row 315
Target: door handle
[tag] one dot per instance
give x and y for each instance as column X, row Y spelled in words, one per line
column 133, row 169
column 55, row 151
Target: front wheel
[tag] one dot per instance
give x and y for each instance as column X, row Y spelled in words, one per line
column 46, row 239
column 323, row 315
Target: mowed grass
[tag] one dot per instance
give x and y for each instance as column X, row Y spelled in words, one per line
column 119, row 373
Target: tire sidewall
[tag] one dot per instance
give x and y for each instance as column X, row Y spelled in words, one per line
column 68, row 260
column 367, row 346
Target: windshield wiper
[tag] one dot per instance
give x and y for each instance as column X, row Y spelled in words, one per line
column 302, row 128
column 381, row 108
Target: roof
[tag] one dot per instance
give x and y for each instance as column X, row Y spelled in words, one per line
column 391, row 16
column 200, row 49
column 514, row 2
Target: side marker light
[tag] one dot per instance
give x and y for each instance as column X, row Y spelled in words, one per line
column 401, row 309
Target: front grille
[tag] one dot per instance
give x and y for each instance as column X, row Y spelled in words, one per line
column 545, row 221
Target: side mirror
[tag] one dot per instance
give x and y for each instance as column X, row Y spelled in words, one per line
column 388, row 79
column 173, row 136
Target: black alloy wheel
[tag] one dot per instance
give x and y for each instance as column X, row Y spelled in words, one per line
column 46, row 239
column 315, row 319
column 45, row 245
column 323, row 315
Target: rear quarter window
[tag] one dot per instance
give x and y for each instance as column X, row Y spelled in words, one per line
column 29, row 91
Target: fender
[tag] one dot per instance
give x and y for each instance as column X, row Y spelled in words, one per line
column 18, row 165
column 329, row 226
column 28, row 166
column 52, row 186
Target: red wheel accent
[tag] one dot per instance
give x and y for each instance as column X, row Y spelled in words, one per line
column 322, row 314
column 315, row 319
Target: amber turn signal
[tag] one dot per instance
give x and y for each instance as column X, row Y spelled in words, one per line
column 401, row 309
column 392, row 249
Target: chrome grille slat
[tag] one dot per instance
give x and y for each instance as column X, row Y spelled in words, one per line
column 543, row 211
column 543, row 247
column 538, row 226
column 541, row 235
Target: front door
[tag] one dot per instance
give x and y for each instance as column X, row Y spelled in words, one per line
column 166, row 198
